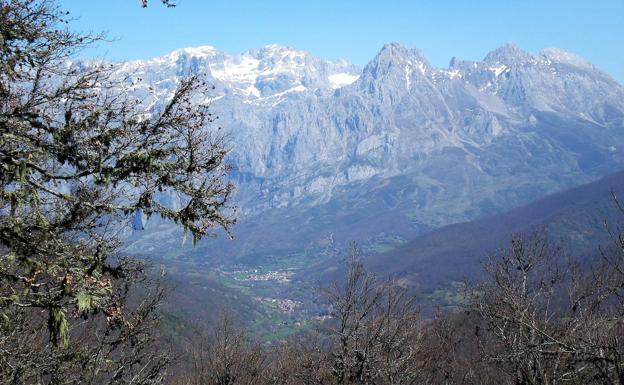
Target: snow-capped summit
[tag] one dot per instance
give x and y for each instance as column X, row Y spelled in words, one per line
column 509, row 54
column 395, row 55
column 274, row 70
column 261, row 76
column 201, row 51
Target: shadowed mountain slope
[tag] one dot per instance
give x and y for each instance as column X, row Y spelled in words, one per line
column 575, row 218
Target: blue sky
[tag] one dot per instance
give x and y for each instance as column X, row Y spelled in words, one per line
column 356, row 30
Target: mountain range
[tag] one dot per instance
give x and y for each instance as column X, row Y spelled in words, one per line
column 325, row 153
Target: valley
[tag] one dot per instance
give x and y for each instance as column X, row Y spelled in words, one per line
column 279, row 294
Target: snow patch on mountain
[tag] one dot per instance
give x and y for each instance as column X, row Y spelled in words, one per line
column 339, row 80
column 557, row 55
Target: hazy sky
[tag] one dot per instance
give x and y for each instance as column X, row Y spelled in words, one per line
column 356, row 30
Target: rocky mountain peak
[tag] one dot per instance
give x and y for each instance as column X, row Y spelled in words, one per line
column 509, row 54
column 398, row 53
column 395, row 62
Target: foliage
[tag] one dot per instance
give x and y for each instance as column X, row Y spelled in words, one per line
column 79, row 158
column 101, row 351
column 168, row 3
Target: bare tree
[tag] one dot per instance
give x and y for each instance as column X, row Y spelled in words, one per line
column 595, row 318
column 519, row 308
column 457, row 351
column 226, row 357
column 547, row 324
column 302, row 360
column 376, row 330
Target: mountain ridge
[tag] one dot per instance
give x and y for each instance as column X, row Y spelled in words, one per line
column 444, row 145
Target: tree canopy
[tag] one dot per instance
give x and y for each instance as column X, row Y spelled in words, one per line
column 79, row 156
